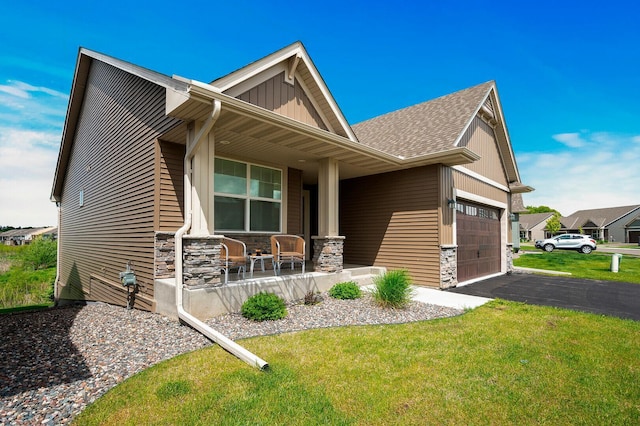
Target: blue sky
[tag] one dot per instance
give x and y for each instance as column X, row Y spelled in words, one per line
column 568, row 75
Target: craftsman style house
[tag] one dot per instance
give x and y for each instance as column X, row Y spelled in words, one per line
column 154, row 170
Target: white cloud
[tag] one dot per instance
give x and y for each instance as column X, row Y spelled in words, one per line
column 27, row 164
column 604, row 175
column 572, row 140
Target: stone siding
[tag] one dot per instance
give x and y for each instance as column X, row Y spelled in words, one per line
column 509, row 258
column 328, row 253
column 201, row 260
column 165, row 255
column 448, row 266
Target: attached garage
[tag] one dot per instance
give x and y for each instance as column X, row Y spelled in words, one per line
column 478, row 236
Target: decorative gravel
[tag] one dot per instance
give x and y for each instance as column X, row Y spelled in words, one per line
column 54, row 363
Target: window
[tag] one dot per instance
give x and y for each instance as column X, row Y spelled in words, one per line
column 248, row 197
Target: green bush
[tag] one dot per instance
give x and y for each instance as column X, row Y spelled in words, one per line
column 393, row 289
column 263, row 307
column 345, row 290
column 40, row 254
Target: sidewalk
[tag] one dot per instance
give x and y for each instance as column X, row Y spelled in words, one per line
column 448, row 299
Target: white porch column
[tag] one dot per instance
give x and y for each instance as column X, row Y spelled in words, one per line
column 202, row 184
column 328, row 184
column 328, row 245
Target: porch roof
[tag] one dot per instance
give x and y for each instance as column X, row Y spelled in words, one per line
column 249, row 131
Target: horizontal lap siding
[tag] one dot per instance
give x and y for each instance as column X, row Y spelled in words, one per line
column 294, row 202
column 113, row 161
column 391, row 220
column 481, row 139
column 170, row 182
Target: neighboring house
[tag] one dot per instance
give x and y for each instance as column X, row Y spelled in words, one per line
column 621, row 224
column 266, row 150
column 22, row 236
column 533, row 226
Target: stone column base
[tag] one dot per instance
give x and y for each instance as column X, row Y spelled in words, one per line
column 165, row 255
column 327, row 253
column 448, row 266
column 509, row 259
column 201, row 261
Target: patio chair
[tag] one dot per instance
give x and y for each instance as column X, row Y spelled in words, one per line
column 287, row 248
column 233, row 254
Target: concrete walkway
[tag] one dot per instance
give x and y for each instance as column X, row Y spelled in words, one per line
column 448, row 299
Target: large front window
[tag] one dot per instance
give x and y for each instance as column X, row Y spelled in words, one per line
column 248, row 197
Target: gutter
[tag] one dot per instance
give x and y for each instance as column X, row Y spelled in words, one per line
column 226, row 343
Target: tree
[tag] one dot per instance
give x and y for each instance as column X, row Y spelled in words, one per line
column 541, row 209
column 553, row 224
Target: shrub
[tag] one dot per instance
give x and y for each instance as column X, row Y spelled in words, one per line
column 40, row 254
column 393, row 289
column 312, row 298
column 264, row 306
column 345, row 290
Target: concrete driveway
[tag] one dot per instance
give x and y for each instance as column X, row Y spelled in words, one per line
column 600, row 297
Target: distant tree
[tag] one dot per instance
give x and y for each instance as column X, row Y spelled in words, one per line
column 6, row 228
column 553, row 224
column 541, row 209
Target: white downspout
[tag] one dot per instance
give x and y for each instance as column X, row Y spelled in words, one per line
column 55, row 283
column 226, row 343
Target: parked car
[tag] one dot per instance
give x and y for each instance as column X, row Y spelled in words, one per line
column 582, row 243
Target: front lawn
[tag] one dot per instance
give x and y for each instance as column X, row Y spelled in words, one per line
column 594, row 266
column 503, row 363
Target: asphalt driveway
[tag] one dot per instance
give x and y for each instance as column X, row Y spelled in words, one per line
column 600, row 297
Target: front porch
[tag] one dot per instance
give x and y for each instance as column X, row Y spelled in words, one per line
column 212, row 301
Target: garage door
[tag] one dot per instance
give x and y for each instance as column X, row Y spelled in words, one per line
column 478, row 233
column 634, row 237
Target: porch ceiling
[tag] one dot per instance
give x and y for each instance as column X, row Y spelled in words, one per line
column 248, row 132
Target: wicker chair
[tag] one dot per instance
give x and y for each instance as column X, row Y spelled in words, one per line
column 233, row 254
column 287, row 248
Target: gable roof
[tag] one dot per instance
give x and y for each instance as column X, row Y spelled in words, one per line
column 599, row 217
column 296, row 62
column 425, row 128
column 528, row 221
column 437, row 126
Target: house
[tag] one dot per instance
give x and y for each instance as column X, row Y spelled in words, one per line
column 154, row 170
column 533, row 226
column 22, row 236
column 621, row 224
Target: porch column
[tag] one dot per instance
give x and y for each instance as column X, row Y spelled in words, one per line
column 328, row 245
column 202, row 184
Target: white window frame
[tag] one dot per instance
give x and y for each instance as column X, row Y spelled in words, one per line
column 248, row 198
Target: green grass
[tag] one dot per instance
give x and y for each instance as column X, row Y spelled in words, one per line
column 593, row 266
column 503, row 363
column 20, row 285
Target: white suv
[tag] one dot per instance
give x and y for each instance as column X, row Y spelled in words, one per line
column 583, row 243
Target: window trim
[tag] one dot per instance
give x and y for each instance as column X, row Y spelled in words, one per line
column 248, row 198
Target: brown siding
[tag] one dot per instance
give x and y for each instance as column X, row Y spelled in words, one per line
column 446, row 194
column 475, row 186
column 290, row 101
column 481, row 139
column 112, row 160
column 391, row 220
column 294, row 202
column 169, row 186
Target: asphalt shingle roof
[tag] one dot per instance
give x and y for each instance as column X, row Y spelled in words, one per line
column 425, row 128
column 600, row 217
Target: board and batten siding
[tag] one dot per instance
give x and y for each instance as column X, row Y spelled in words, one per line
column 391, row 220
column 169, row 186
column 112, row 163
column 285, row 99
column 481, row 139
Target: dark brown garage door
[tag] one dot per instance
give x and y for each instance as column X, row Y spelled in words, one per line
column 478, row 232
column 634, row 237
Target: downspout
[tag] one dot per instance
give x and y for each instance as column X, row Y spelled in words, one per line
column 226, row 343
column 56, row 296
